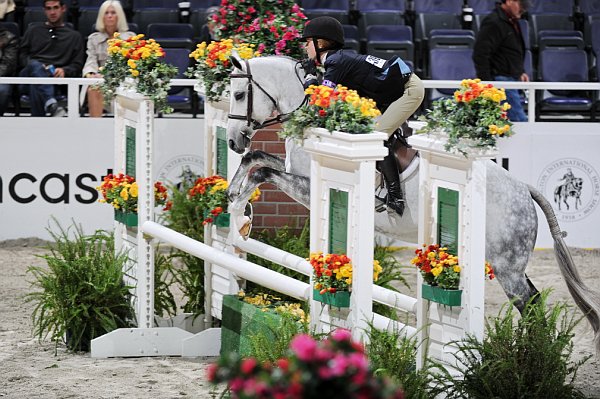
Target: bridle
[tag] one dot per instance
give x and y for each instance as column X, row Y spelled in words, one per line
column 281, row 117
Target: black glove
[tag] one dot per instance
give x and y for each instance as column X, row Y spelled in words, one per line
column 309, row 66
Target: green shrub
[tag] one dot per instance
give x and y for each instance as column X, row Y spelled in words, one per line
column 524, row 358
column 394, row 355
column 81, row 294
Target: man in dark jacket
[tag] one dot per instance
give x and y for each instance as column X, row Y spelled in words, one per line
column 499, row 51
column 9, row 47
column 51, row 49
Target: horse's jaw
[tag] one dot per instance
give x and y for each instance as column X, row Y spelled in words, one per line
column 240, row 141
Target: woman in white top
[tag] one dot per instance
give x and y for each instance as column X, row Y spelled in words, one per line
column 111, row 19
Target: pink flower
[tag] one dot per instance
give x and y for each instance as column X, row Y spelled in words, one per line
column 304, row 347
column 248, row 365
column 212, row 371
column 341, row 335
column 236, row 384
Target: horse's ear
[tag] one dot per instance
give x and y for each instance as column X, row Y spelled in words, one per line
column 235, row 61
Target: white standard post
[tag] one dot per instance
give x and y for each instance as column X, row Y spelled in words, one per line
column 342, row 217
column 466, row 177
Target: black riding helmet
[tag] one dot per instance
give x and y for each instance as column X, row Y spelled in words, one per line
column 325, row 28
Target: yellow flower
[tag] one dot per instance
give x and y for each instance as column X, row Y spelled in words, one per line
column 437, row 271
column 456, row 269
column 133, row 190
column 134, row 72
column 124, row 194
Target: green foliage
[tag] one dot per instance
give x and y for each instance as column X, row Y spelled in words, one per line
column 185, row 217
column 164, row 302
column 81, row 294
column 390, row 276
column 394, row 355
column 270, row 347
column 524, row 358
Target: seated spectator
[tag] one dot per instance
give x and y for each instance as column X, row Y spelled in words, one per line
column 6, row 7
column 207, row 34
column 50, row 49
column 9, row 47
column 111, row 19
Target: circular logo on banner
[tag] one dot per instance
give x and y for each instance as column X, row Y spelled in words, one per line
column 572, row 186
column 182, row 168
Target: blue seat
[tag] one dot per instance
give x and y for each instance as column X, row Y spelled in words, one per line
column 172, row 34
column 181, row 98
column 352, row 39
column 451, row 38
column 379, row 12
column 562, row 7
column 541, row 22
column 87, row 20
column 438, row 6
column 146, row 16
column 482, row 7
column 563, row 65
column 385, row 41
column 450, row 64
column 560, row 38
column 338, row 9
column 590, row 7
column 203, row 4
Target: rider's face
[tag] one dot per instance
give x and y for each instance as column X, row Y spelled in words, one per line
column 310, row 49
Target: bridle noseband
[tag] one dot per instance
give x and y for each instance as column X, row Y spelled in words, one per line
column 281, row 117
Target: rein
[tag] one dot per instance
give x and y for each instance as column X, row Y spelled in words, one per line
column 281, row 117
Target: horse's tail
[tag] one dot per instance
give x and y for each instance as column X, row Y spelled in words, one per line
column 587, row 300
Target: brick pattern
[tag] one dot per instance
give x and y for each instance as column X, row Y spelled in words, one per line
column 275, row 208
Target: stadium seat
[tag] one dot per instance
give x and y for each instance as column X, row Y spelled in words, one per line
column 451, row 38
column 482, row 7
column 560, row 38
column 563, row 65
column 384, row 41
column 87, row 20
column 203, row 4
column 181, row 98
column 450, row 64
column 146, row 16
column 338, row 9
column 541, row 22
column 379, row 12
column 172, row 35
column 562, row 7
column 12, row 27
column 352, row 40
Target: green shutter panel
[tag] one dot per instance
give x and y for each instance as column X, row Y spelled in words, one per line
column 222, row 152
column 130, row 151
column 447, row 232
column 338, row 221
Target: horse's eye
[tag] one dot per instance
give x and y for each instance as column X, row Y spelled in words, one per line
column 239, row 95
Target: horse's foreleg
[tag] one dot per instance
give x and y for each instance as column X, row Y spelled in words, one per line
column 565, row 201
column 250, row 160
column 297, row 187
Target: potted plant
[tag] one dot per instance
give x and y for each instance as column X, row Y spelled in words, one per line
column 121, row 191
column 212, row 67
column 335, row 367
column 332, row 278
column 80, row 295
column 335, row 109
column 209, row 196
column 138, row 63
column 441, row 274
column 248, row 315
column 473, row 118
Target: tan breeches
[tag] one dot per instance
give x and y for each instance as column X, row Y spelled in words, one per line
column 400, row 110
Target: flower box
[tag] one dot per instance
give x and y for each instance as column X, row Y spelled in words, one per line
column 444, row 296
column 127, row 218
column 240, row 322
column 341, row 299
column 221, row 220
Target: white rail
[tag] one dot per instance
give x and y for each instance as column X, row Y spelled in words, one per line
column 74, row 85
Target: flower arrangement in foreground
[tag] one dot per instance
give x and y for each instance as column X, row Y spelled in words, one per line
column 333, row 272
column 477, row 112
column 143, row 61
column 439, row 268
column 121, row 191
column 272, row 303
column 338, row 109
column 273, row 26
column 335, row 367
column 209, row 194
column 213, row 67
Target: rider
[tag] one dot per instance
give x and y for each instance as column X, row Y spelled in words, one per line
column 397, row 91
column 568, row 177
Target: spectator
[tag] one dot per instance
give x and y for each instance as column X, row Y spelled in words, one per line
column 6, row 7
column 207, row 33
column 50, row 49
column 499, row 52
column 111, row 19
column 9, row 47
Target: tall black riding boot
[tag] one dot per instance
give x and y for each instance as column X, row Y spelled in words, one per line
column 389, row 169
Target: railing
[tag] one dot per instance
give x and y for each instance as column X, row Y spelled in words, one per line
column 75, row 84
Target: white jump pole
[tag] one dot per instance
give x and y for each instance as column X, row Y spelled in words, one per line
column 465, row 179
column 342, row 218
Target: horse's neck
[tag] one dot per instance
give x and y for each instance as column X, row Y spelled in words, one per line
column 288, row 84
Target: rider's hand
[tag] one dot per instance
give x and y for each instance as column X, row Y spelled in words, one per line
column 309, row 66
column 310, row 80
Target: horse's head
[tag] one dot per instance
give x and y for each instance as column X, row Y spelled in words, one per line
column 259, row 89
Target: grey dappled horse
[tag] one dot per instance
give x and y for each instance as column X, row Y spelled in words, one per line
column 264, row 87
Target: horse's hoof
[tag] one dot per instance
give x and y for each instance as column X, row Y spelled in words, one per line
column 245, row 224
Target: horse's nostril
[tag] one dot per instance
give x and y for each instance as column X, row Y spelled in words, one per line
column 232, row 144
